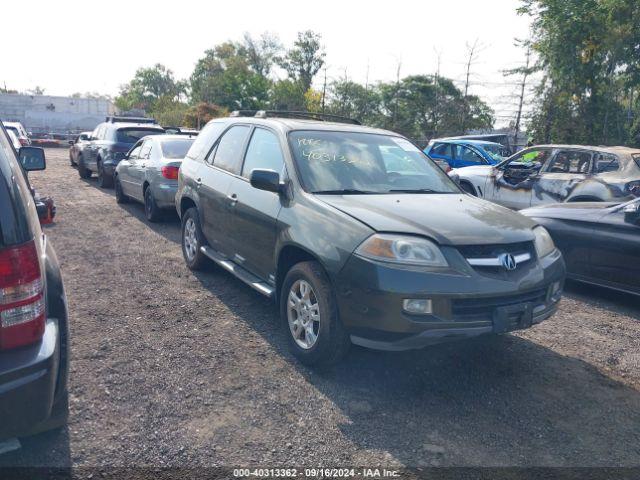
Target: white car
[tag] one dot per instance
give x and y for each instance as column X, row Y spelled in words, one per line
column 555, row 173
column 14, row 140
column 19, row 131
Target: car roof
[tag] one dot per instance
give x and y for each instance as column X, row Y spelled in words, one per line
column 466, row 141
column 290, row 124
column 12, row 124
column 120, row 125
column 164, row 138
column 601, row 148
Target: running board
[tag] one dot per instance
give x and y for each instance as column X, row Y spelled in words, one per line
column 239, row 272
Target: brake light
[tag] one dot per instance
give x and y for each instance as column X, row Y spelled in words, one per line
column 22, row 307
column 170, row 173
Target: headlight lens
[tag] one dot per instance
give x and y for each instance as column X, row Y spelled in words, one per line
column 543, row 241
column 406, row 250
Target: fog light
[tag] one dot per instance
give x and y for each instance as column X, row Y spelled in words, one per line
column 417, row 306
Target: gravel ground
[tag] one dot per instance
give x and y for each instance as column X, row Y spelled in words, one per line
column 175, row 369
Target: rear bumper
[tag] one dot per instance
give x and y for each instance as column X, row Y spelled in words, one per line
column 28, row 378
column 165, row 194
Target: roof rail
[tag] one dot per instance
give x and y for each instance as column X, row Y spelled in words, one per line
column 115, row 119
column 324, row 117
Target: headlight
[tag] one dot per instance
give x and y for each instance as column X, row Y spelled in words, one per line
column 400, row 249
column 543, row 241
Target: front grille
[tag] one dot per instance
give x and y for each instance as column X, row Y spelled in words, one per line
column 488, row 251
column 471, row 309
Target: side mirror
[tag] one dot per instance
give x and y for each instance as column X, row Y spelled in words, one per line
column 632, row 213
column 32, row 158
column 266, row 180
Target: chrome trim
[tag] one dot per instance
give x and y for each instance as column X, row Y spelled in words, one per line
column 496, row 262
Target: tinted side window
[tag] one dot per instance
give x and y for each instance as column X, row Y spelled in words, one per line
column 443, row 149
column 468, row 155
column 146, row 149
column 228, row 152
column 263, row 152
column 606, row 162
column 205, row 140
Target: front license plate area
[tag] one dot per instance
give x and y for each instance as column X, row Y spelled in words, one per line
column 512, row 317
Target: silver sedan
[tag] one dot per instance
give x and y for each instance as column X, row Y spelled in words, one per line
column 149, row 173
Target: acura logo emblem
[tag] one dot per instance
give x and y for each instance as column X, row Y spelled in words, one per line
column 508, row 262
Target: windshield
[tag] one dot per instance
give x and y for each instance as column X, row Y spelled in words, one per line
column 176, row 148
column 132, row 135
column 346, row 162
column 497, row 152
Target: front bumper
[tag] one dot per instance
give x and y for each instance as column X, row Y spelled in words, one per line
column 28, row 379
column 465, row 301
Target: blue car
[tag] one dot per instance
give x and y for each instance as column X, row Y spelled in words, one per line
column 466, row 153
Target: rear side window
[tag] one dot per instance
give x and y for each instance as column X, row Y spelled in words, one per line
column 263, row 152
column 132, row 135
column 228, row 152
column 443, row 149
column 606, row 162
column 466, row 154
column 205, row 140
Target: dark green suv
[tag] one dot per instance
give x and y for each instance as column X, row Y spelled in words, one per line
column 359, row 236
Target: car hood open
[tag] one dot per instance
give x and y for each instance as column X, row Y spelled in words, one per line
column 450, row 219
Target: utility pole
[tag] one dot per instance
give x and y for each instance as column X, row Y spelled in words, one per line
column 324, row 88
column 395, row 109
column 523, row 85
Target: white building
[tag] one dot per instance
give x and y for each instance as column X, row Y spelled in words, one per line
column 45, row 113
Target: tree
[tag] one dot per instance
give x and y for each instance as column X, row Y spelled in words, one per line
column 262, row 53
column 224, row 77
column 147, row 87
column 588, row 51
column 305, row 59
column 198, row 115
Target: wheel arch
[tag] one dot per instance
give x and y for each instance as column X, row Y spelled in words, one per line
column 288, row 256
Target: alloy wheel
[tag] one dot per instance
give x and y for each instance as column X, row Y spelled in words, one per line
column 303, row 314
column 190, row 239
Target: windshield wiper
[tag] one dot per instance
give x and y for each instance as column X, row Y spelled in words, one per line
column 346, row 191
column 414, row 190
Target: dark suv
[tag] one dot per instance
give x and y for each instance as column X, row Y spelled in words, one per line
column 109, row 143
column 359, row 237
column 34, row 353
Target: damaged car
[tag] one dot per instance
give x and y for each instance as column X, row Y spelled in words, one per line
column 354, row 245
column 556, row 173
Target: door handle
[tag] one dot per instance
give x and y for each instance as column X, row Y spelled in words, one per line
column 233, row 199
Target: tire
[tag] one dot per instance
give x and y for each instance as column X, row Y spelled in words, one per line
column 83, row 171
column 151, row 209
column 331, row 341
column 468, row 188
column 120, row 196
column 104, row 181
column 192, row 239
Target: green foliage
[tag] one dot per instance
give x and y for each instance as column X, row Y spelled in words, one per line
column 198, row 115
column 147, row 87
column 224, row 77
column 589, row 52
column 305, row 59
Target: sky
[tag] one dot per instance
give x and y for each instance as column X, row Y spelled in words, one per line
column 72, row 46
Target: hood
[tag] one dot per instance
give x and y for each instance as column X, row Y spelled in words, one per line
column 475, row 170
column 450, row 219
column 571, row 210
